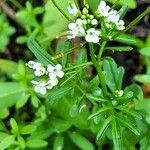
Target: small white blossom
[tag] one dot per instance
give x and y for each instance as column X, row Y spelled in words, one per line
column 113, row 17
column 39, row 87
column 120, row 25
column 72, row 9
column 38, row 68
column 30, row 64
column 76, row 29
column 103, row 9
column 55, row 71
column 51, row 83
column 92, row 35
column 40, row 71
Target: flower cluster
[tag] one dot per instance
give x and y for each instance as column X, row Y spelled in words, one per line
column 86, row 24
column 49, row 76
column 111, row 16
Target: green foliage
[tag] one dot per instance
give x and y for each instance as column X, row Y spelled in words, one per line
column 6, row 30
column 90, row 107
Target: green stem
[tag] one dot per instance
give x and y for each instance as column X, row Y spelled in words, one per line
column 99, row 70
column 135, row 21
column 78, row 66
column 101, row 50
column 62, row 12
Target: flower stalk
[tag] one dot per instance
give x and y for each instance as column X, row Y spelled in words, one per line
column 98, row 69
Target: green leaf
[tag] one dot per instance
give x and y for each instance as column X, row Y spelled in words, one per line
column 22, row 101
column 4, row 113
column 145, row 51
column 142, row 78
column 55, row 23
column 95, row 98
column 59, row 125
column 116, row 135
column 126, row 39
column 27, row 16
column 8, row 67
column 120, row 48
column 58, row 143
column 103, row 128
column 130, row 112
column 36, row 143
column 21, row 141
column 81, row 141
column 14, row 126
column 10, row 93
column 56, row 94
column 130, row 126
column 7, row 141
column 28, row 129
column 113, row 75
column 101, row 110
column 35, row 101
column 94, row 83
column 39, row 53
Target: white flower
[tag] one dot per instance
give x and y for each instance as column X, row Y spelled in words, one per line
column 39, row 87
column 92, row 35
column 94, row 22
column 113, row 17
column 30, row 64
column 40, row 71
column 120, row 25
column 72, row 9
column 38, row 67
column 51, row 83
column 55, row 71
column 76, row 29
column 103, row 9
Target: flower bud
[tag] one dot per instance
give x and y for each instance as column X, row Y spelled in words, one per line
column 94, row 22
column 85, row 11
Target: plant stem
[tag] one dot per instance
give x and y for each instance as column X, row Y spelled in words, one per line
column 62, row 12
column 136, row 20
column 101, row 50
column 78, row 66
column 99, row 70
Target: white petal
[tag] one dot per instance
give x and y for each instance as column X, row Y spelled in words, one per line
column 58, row 67
column 60, row 74
column 52, row 75
column 72, row 9
column 37, row 65
column 72, row 26
column 54, row 82
column 37, row 89
column 95, row 39
column 79, row 22
column 30, row 64
column 43, row 90
column 34, row 82
column 102, row 4
column 88, row 38
column 50, row 68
